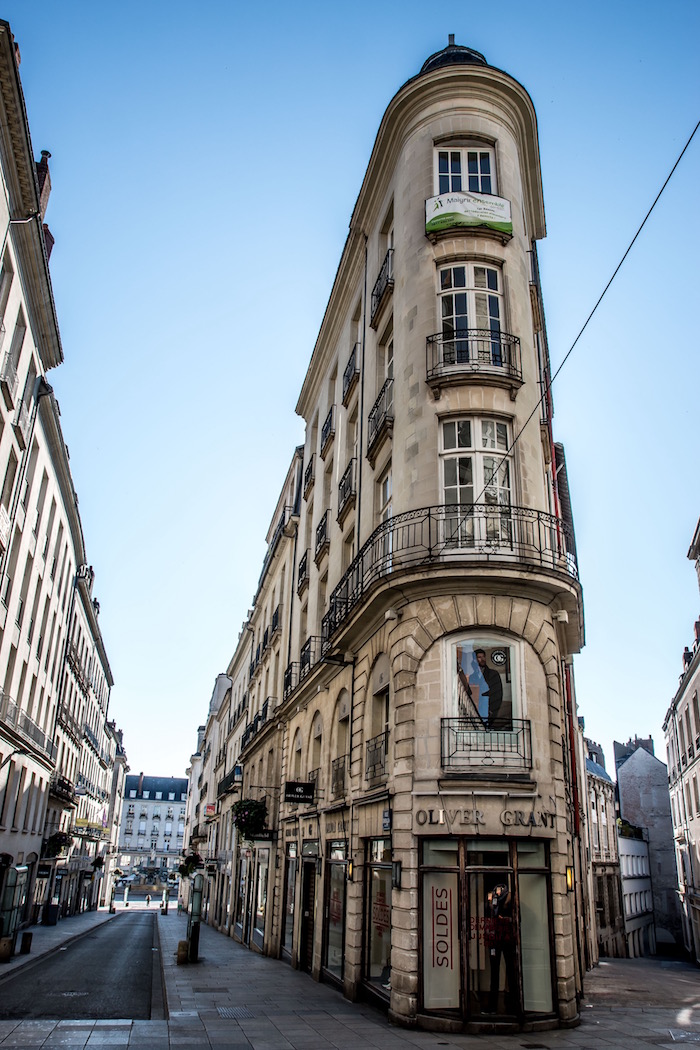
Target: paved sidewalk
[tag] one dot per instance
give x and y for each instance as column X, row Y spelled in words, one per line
column 236, row 999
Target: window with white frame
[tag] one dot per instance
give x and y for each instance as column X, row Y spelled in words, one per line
column 471, row 311
column 476, row 481
column 469, row 168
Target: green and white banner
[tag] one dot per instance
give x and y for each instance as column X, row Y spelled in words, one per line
column 467, row 209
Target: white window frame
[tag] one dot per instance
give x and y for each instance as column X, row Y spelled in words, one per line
column 471, row 301
column 458, row 178
column 477, row 474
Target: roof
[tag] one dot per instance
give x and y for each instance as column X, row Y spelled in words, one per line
column 597, row 770
column 178, row 785
column 453, row 55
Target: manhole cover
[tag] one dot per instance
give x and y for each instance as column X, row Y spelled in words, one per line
column 238, row 1013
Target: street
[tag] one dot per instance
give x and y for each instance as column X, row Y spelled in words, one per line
column 108, row 973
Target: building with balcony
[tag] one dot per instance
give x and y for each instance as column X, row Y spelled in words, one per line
column 604, row 858
column 682, row 733
column 152, row 827
column 423, row 794
column 645, row 829
column 56, row 753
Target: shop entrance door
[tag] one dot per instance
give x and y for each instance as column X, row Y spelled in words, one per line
column 492, row 968
column 308, row 902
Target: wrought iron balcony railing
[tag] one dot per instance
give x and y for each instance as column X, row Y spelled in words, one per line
column 323, row 537
column 303, row 572
column 467, row 351
column 9, row 379
column 338, row 776
column 229, row 783
column 327, row 431
column 382, row 286
column 282, row 522
column 351, row 373
column 347, row 490
column 310, row 654
column 309, row 477
column 275, row 624
column 456, row 535
column 11, row 715
column 291, row 679
column 375, row 756
column 381, row 419
column 63, row 788
column 470, row 745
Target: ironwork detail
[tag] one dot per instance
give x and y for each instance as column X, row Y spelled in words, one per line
column 382, row 286
column 470, row 350
column 381, row 419
column 451, row 535
column 469, row 744
column 375, row 756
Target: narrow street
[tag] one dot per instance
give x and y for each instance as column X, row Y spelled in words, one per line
column 112, row 972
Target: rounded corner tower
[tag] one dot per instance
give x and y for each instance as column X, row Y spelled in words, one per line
column 434, row 603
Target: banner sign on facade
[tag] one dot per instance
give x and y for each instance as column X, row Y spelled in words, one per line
column 449, row 210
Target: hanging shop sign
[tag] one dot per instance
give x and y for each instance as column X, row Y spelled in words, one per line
column 299, row 791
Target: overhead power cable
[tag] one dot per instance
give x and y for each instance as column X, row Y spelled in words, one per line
column 548, row 385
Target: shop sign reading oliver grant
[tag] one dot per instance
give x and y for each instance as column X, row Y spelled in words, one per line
column 498, row 819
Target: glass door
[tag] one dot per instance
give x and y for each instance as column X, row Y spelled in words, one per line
column 378, row 913
column 290, row 881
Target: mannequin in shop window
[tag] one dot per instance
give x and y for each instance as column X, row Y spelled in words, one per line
column 500, row 941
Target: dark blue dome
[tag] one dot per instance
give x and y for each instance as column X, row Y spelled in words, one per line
column 453, row 55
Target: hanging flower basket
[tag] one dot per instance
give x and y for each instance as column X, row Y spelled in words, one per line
column 250, row 817
column 190, row 864
column 56, row 844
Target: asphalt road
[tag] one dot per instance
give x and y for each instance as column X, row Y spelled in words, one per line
column 113, row 972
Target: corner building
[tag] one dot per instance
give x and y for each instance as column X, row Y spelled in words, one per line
column 428, row 699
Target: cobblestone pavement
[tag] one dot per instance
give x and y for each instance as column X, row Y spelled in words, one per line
column 234, row 999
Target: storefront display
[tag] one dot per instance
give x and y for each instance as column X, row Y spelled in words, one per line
column 334, row 933
column 378, row 914
column 486, row 927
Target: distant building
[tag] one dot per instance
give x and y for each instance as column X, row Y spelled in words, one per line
column 637, row 901
column 605, row 862
column 152, row 826
column 644, row 804
column 682, row 729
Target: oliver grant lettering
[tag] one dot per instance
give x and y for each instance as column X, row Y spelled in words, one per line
column 452, row 820
column 518, row 818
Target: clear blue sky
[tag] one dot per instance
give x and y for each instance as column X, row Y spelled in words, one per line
column 205, row 161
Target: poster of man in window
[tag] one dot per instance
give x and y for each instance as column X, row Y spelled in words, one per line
column 483, row 683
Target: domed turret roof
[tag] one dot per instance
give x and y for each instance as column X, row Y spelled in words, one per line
column 453, row 55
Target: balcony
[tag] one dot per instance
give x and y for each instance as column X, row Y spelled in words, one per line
column 4, row 526
column 24, row 726
column 380, row 421
column 469, row 746
column 275, row 625
column 328, row 432
column 339, row 771
column 231, row 782
column 347, row 492
column 21, row 425
column 323, row 538
column 291, row 679
column 351, row 374
column 8, row 379
column 310, row 655
column 383, row 288
column 309, row 475
column 452, row 536
column 473, row 354
column 62, row 788
column 303, row 572
column 375, row 756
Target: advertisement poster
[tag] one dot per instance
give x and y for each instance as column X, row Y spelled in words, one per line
column 483, row 683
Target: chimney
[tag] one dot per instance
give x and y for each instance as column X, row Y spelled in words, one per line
column 140, row 787
column 451, row 40
column 44, row 178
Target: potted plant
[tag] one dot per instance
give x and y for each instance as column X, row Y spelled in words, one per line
column 191, row 862
column 249, row 816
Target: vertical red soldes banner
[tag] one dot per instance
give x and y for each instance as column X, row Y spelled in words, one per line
column 442, row 927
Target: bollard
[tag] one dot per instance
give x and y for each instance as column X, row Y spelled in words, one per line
column 26, row 943
column 182, row 950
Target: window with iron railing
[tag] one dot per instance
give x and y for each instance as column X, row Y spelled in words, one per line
column 351, row 373
column 327, row 431
column 322, row 535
